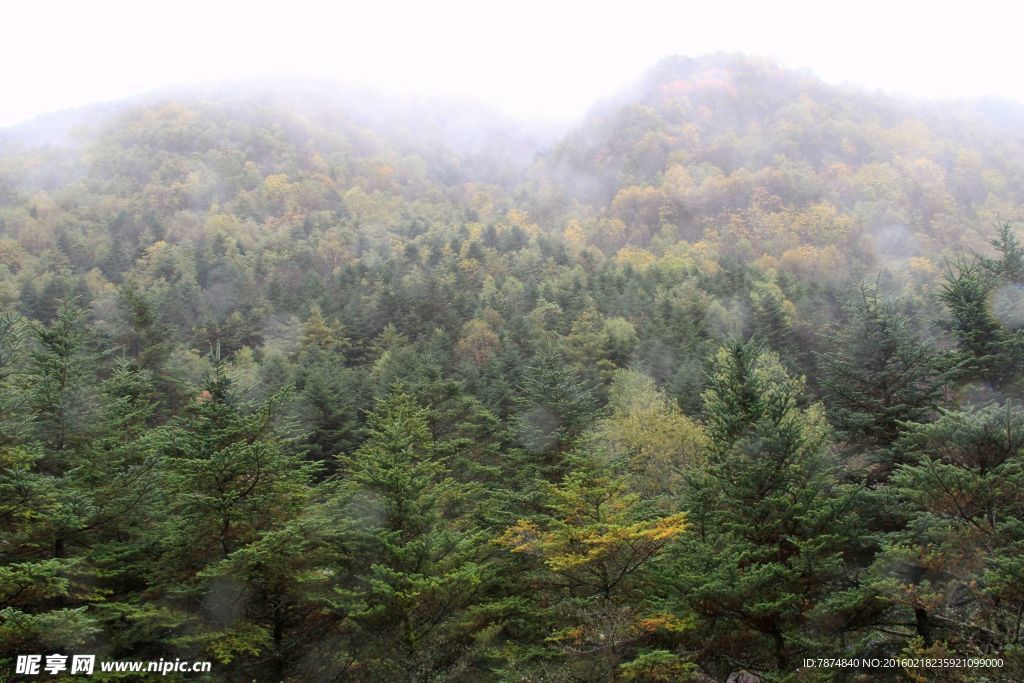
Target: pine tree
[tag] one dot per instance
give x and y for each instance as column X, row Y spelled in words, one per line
column 880, row 375
column 118, row 462
column 227, row 480
column 956, row 571
column 413, row 572
column 771, row 526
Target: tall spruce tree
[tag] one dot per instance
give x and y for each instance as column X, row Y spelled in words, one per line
column 983, row 296
column 555, row 406
column 226, row 481
column 13, row 417
column 955, row 573
column 46, row 585
column 771, row 527
column 411, row 573
column 879, row 375
column 61, row 384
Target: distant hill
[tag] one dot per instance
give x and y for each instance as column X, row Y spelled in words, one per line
column 700, row 145
column 727, row 153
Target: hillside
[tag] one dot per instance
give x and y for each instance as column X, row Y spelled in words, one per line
column 320, row 384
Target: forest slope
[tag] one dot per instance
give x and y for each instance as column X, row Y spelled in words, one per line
column 322, row 385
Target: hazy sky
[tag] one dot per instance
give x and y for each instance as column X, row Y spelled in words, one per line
column 547, row 59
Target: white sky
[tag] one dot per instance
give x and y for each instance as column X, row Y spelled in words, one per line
column 546, row 59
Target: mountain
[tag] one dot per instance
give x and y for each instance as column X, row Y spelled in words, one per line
column 731, row 146
column 301, row 382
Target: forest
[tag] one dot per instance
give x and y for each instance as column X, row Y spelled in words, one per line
column 321, row 385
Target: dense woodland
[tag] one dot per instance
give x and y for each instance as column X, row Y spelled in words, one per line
column 325, row 386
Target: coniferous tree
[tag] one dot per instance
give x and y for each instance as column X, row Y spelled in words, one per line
column 413, row 572
column 13, row 417
column 44, row 594
column 991, row 341
column 328, row 407
column 880, row 375
column 771, row 527
column 60, row 384
column 227, row 479
column 555, row 406
column 955, row 572
column 1010, row 264
column 45, row 585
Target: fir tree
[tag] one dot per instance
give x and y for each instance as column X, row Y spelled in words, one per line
column 991, row 346
column 413, row 570
column 771, row 526
column 555, row 406
column 227, row 480
column 880, row 375
column 956, row 571
column 13, row 418
column 60, row 384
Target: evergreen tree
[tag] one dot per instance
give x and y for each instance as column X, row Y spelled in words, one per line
column 226, row 481
column 1010, row 264
column 328, row 407
column 771, row 526
column 555, row 406
column 991, row 345
column 60, row 384
column 44, row 594
column 880, row 375
column 956, row 571
column 412, row 572
column 13, row 416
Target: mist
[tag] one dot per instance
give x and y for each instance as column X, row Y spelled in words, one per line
column 542, row 61
column 532, row 343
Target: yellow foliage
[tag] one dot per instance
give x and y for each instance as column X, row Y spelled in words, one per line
column 574, row 235
column 920, row 264
column 662, row 622
column 648, row 428
column 596, row 532
column 521, row 219
column 478, row 343
column 639, row 258
column 276, row 184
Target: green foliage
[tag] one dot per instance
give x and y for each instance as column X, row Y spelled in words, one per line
column 58, row 383
column 771, row 526
column 991, row 341
column 658, row 666
column 277, row 370
column 880, row 375
column 416, row 572
column 956, row 568
column 555, row 406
